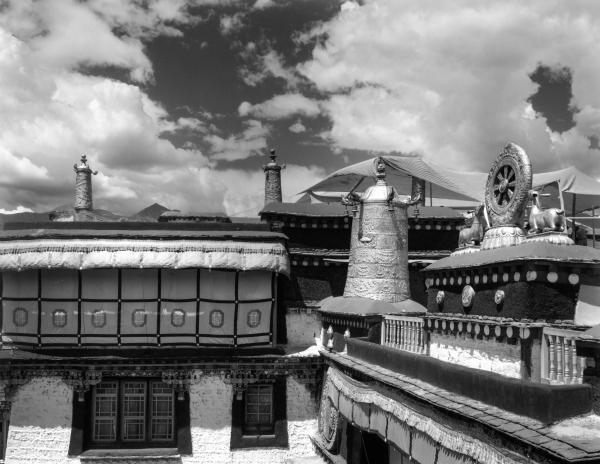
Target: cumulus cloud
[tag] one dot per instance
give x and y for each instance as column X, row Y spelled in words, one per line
column 453, row 80
column 281, row 106
column 263, row 62
column 297, row 127
column 249, row 142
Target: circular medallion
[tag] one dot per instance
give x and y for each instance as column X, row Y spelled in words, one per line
column 20, row 317
column 99, row 318
column 508, row 186
column 253, row 318
column 216, row 318
column 178, row 317
column 59, row 318
column 467, row 296
column 328, row 421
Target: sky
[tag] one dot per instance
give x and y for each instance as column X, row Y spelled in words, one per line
column 179, row 101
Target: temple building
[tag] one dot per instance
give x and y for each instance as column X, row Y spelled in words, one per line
column 501, row 366
column 374, row 329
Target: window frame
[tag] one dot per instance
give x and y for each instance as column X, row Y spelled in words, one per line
column 245, row 435
column 120, row 440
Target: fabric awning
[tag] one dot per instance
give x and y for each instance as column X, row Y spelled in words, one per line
column 168, row 254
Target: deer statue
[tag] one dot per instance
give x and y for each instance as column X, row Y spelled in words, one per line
column 541, row 219
column 478, row 225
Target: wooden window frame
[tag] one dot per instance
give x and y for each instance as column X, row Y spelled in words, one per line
column 82, row 430
column 275, row 436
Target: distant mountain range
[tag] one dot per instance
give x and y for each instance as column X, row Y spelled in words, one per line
column 148, row 214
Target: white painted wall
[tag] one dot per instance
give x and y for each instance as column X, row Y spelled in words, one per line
column 210, row 421
column 40, row 423
column 488, row 355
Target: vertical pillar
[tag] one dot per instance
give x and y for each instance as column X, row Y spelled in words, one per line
column 83, row 185
column 273, row 180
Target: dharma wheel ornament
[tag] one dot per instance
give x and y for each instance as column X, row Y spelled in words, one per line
column 507, row 193
column 329, row 424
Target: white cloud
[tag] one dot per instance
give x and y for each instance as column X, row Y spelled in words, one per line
column 451, row 80
column 263, row 65
column 250, row 142
column 70, row 34
column 230, row 24
column 281, row 106
column 297, row 127
column 262, row 4
column 18, row 209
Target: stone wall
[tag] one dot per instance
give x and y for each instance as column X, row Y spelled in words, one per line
column 488, row 355
column 40, row 423
column 210, row 421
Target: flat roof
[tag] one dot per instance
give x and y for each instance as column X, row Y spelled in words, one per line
column 524, row 251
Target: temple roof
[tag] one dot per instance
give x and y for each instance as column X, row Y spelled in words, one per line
column 524, row 251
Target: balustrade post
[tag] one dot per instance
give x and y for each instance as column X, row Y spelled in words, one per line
column 567, row 359
column 551, row 350
column 574, row 361
column 559, row 358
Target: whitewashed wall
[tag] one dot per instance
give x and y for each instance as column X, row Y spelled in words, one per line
column 40, row 423
column 488, row 355
column 210, row 421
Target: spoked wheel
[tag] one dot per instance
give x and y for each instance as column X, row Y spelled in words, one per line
column 508, row 185
column 504, row 185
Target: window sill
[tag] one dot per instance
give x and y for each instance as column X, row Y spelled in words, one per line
column 143, row 454
column 260, row 441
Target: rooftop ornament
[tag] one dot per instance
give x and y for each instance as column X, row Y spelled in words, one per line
column 273, row 179
column 83, row 185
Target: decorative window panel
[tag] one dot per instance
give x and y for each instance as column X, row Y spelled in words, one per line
column 20, row 316
column 61, row 284
column 145, row 334
column 217, row 285
column 100, row 284
column 163, row 406
column 96, row 313
column 254, row 285
column 133, row 413
column 59, row 318
column 139, row 284
column 216, row 335
column 104, row 425
column 178, row 284
column 59, row 322
column 254, row 322
column 216, row 318
column 178, row 323
column 20, row 333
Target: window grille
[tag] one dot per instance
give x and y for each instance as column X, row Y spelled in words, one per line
column 162, row 423
column 258, row 414
column 133, row 411
column 105, row 412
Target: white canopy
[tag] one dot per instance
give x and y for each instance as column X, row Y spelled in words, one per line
column 457, row 186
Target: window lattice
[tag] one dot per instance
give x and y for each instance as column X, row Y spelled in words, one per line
column 59, row 318
column 161, row 426
column 259, row 408
column 105, row 412
column 253, row 318
column 134, row 411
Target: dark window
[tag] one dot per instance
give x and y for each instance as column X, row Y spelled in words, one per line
column 259, row 416
column 258, row 410
column 127, row 412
